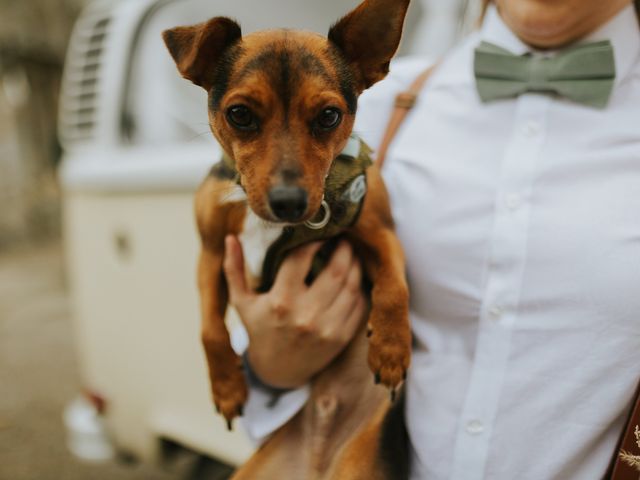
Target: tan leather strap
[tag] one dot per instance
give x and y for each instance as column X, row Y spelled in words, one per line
column 404, row 102
column 619, row 469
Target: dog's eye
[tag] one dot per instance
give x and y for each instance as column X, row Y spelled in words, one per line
column 241, row 117
column 329, row 118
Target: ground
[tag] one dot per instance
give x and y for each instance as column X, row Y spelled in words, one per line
column 38, row 377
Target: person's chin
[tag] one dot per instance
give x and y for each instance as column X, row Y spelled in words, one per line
column 540, row 23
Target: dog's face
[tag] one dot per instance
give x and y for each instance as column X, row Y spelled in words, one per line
column 283, row 113
column 282, row 103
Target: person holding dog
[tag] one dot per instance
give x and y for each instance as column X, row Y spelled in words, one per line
column 514, row 183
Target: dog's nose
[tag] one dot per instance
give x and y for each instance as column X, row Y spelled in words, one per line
column 288, row 203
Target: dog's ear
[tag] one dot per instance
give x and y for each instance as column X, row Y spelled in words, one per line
column 369, row 36
column 197, row 49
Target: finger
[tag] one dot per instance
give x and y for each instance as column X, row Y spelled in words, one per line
column 295, row 268
column 354, row 319
column 345, row 330
column 233, row 266
column 348, row 296
column 333, row 277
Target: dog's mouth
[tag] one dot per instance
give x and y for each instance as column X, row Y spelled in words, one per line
column 286, row 203
column 290, row 205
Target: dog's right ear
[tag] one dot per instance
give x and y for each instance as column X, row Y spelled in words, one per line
column 197, row 49
column 369, row 36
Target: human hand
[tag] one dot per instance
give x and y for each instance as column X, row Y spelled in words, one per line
column 296, row 330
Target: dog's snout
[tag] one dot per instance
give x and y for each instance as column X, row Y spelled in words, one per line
column 288, row 203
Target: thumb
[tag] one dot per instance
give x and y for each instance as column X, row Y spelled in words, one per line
column 233, row 266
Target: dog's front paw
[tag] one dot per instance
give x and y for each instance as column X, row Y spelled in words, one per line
column 389, row 357
column 229, row 389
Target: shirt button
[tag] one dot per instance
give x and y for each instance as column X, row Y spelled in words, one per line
column 475, row 427
column 513, row 201
column 531, row 129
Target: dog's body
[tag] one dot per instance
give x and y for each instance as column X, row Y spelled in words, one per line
column 282, row 105
column 348, row 430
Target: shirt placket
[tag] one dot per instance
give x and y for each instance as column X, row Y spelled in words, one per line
column 504, row 271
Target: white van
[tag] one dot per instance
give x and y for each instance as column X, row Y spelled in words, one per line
column 136, row 145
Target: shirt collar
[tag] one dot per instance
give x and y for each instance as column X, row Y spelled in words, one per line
column 622, row 31
column 624, row 34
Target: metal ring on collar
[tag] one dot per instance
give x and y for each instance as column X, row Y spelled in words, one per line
column 325, row 220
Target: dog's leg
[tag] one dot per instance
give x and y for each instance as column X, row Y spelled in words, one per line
column 389, row 330
column 216, row 219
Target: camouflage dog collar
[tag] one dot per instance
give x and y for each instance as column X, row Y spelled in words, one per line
column 345, row 190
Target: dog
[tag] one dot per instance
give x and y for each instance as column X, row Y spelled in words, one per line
column 282, row 105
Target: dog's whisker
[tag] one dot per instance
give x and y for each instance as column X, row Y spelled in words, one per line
column 229, row 192
column 197, row 136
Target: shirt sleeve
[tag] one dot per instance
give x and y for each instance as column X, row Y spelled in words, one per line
column 376, row 103
column 267, row 408
column 374, row 110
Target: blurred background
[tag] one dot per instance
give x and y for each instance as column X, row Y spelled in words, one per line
column 101, row 147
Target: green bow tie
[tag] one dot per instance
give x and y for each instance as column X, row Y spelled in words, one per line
column 584, row 73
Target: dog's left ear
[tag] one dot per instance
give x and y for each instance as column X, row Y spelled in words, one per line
column 197, row 49
column 369, row 37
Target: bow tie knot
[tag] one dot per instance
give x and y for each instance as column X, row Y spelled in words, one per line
column 584, row 73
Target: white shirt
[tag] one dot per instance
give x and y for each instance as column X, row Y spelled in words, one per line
column 521, row 224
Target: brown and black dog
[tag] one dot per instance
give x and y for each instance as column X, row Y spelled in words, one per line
column 282, row 105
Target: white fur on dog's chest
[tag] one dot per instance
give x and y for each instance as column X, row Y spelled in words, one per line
column 256, row 238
